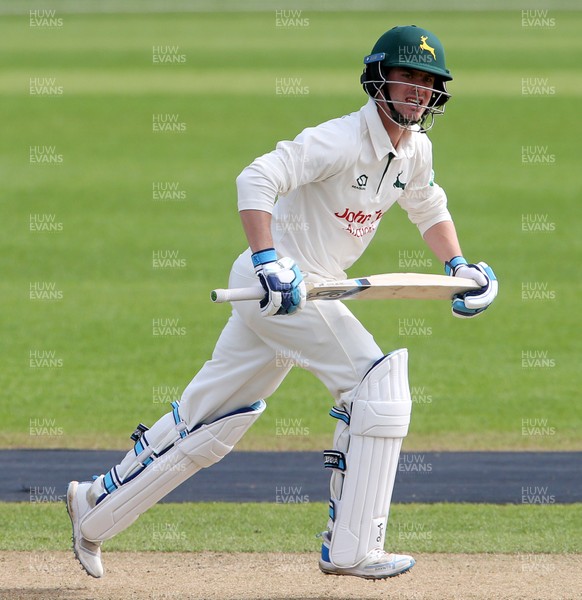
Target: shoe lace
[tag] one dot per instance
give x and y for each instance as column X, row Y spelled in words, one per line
column 378, row 555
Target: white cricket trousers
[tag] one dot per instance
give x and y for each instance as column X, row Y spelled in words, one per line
column 254, row 353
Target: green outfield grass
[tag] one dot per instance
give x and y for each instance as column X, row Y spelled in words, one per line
column 225, row 527
column 107, row 371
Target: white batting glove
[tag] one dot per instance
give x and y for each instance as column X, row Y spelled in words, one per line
column 470, row 304
column 282, row 280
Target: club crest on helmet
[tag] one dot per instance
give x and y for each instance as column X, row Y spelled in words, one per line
column 425, row 46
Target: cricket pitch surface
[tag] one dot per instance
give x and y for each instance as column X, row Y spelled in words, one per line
column 247, row 576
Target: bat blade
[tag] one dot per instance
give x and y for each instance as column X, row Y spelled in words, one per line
column 412, row 286
column 407, row 286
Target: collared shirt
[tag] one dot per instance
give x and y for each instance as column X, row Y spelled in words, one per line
column 328, row 189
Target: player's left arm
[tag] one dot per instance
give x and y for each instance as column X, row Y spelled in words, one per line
column 442, row 239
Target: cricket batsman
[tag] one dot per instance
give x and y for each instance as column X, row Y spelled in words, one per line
column 309, row 209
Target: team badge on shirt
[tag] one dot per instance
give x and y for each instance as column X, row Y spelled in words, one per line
column 398, row 183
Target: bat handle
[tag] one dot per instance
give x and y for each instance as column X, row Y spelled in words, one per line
column 237, row 294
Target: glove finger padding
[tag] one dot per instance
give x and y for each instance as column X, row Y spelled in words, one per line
column 472, row 303
column 284, row 287
column 462, row 312
column 470, row 271
column 271, row 301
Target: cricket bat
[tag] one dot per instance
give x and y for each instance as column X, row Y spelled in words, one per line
column 415, row 286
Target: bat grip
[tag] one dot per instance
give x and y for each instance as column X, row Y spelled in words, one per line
column 237, row 294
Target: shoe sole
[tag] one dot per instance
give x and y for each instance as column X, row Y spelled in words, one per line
column 332, row 571
column 71, row 492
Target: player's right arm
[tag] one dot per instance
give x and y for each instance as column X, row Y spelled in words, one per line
column 281, row 279
column 257, row 227
column 314, row 155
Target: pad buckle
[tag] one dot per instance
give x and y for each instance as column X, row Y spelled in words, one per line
column 139, row 431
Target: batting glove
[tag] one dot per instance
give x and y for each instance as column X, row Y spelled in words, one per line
column 283, row 282
column 470, row 304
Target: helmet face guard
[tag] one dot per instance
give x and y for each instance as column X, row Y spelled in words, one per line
column 411, row 48
column 375, row 82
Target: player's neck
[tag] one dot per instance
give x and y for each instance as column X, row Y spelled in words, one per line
column 393, row 130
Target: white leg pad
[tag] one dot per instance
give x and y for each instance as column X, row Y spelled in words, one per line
column 379, row 419
column 201, row 448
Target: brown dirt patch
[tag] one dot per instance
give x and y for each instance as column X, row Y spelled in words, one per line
column 216, row 576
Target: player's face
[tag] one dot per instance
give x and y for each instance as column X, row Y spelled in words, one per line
column 408, row 91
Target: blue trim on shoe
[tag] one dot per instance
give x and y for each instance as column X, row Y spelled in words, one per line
column 325, row 553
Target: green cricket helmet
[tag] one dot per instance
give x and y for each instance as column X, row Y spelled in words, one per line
column 408, row 47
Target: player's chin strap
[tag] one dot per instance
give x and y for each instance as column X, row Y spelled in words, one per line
column 367, row 445
column 163, row 457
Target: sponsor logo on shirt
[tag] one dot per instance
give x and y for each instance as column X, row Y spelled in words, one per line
column 361, row 182
column 359, row 223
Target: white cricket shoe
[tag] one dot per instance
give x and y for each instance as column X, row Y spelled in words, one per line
column 87, row 553
column 377, row 565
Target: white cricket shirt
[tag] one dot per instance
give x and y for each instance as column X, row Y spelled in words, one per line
column 328, row 189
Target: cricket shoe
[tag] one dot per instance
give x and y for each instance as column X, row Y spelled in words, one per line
column 87, row 553
column 378, row 564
